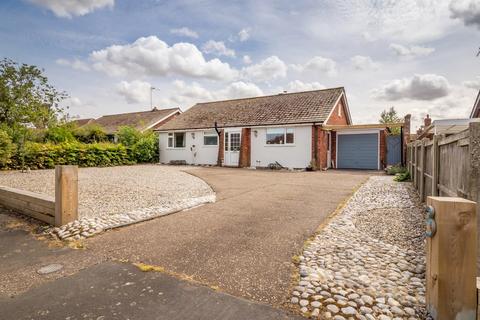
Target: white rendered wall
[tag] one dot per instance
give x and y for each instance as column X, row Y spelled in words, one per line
column 297, row 155
column 193, row 153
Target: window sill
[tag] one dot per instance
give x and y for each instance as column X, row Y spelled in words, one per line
column 280, row 145
column 173, row 148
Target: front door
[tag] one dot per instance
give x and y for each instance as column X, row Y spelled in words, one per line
column 232, row 147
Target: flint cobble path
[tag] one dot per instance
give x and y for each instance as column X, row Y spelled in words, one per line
column 368, row 262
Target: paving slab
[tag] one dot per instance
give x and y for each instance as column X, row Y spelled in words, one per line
column 121, row 291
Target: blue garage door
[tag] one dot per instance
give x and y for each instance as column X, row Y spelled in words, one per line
column 357, row 151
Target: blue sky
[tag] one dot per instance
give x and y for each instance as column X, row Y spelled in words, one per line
column 416, row 55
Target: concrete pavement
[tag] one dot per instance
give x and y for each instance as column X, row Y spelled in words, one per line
column 242, row 244
column 121, row 291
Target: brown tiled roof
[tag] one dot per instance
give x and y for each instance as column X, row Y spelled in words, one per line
column 82, row 122
column 139, row 120
column 288, row 108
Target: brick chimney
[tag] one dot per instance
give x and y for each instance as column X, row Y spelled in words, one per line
column 427, row 121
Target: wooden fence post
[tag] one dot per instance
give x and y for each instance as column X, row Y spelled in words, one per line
column 66, row 194
column 435, row 165
column 451, row 259
column 422, row 170
column 474, row 172
column 415, row 159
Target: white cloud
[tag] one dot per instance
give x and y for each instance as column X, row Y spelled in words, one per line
column 297, row 85
column 457, row 104
column 218, row 48
column 152, row 56
column 368, row 37
column 246, row 59
column 406, row 20
column 74, row 105
column 185, row 32
column 364, row 63
column 412, row 51
column 472, row 84
column 317, row 64
column 75, row 64
column 244, row 34
column 269, row 69
column 69, row 8
column 466, row 10
column 240, row 89
column 187, row 95
column 418, row 87
column 134, row 92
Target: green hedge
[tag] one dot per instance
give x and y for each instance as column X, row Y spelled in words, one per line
column 47, row 155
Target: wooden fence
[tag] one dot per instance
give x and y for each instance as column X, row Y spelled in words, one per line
column 447, row 166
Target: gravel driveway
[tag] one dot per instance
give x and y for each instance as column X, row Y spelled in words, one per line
column 114, row 190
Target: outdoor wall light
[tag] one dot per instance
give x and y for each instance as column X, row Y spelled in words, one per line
column 255, row 133
column 193, row 135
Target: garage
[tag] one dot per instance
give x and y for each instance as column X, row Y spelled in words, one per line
column 358, row 150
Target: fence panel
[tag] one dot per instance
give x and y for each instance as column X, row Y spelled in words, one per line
column 448, row 166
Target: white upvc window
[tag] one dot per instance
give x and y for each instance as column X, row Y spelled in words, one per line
column 176, row 140
column 280, row 136
column 210, row 138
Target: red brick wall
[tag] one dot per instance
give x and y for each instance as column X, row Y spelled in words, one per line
column 334, row 147
column 383, row 149
column 336, row 119
column 245, row 149
column 319, row 147
column 221, row 149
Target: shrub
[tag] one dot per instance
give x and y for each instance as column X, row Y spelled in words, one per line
column 393, row 170
column 59, row 134
column 6, row 148
column 404, row 176
column 128, row 136
column 91, row 133
column 146, row 148
column 47, row 155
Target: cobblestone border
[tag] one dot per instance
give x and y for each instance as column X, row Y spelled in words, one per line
column 346, row 273
column 88, row 227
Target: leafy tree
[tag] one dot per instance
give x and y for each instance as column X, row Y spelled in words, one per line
column 390, row 116
column 26, row 97
column 7, row 148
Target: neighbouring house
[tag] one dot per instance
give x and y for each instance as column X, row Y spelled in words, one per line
column 295, row 130
column 82, row 122
column 142, row 121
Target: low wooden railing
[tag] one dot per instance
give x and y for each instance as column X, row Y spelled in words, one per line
column 58, row 210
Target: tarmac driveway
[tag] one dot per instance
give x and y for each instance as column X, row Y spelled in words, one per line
column 243, row 244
